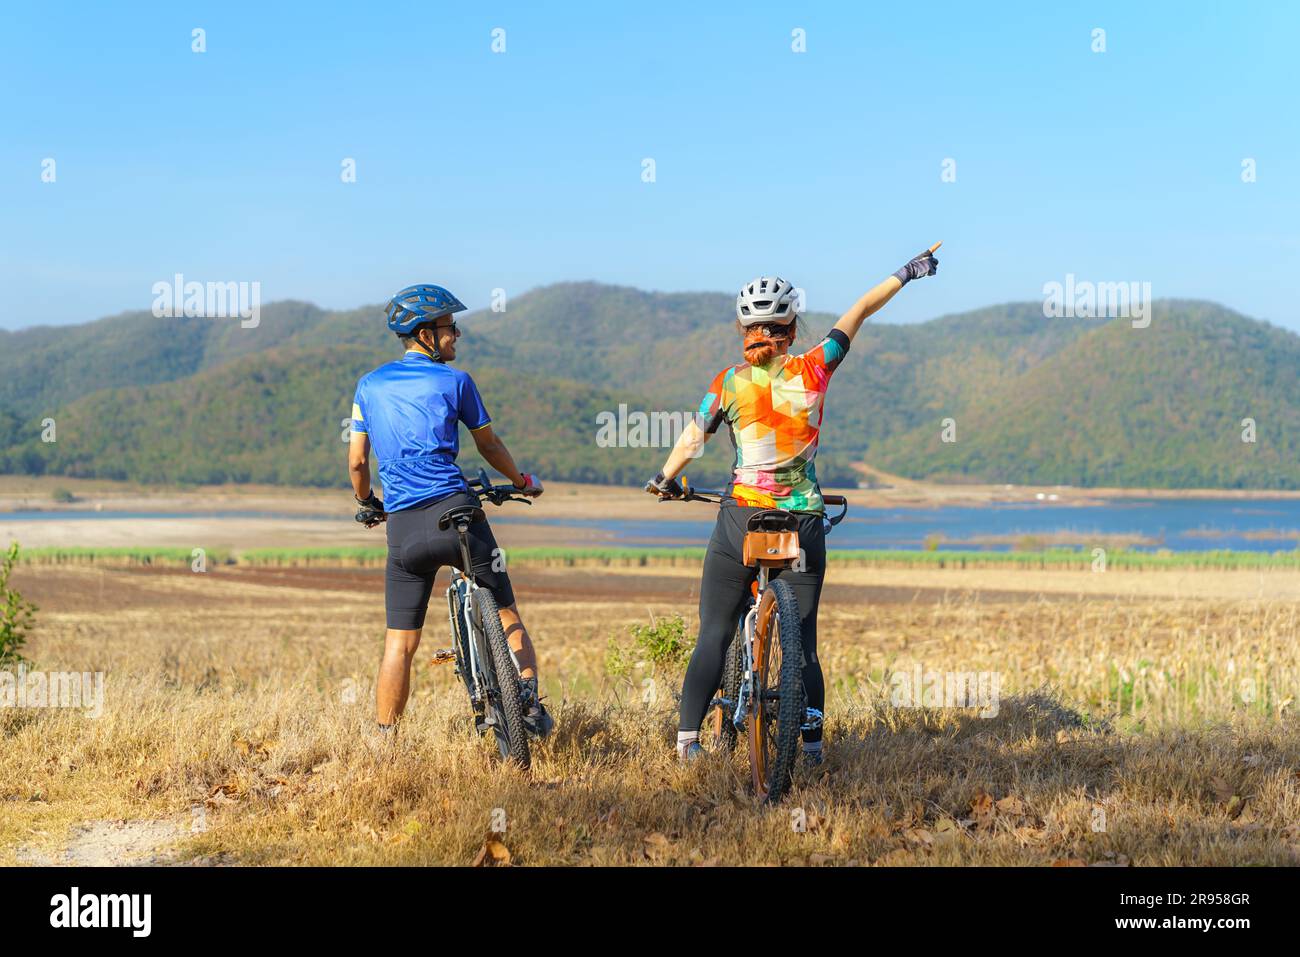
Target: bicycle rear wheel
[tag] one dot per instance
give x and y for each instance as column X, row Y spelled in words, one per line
column 778, row 703
column 504, row 706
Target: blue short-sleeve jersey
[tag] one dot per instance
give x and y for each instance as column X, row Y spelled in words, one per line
column 411, row 409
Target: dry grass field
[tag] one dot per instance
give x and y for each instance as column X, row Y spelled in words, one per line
column 1132, row 728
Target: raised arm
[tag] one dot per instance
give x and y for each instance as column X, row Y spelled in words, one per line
column 923, row 265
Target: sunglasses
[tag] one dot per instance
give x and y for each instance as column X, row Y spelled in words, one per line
column 455, row 329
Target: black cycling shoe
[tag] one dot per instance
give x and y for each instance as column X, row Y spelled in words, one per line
column 537, row 720
column 812, row 759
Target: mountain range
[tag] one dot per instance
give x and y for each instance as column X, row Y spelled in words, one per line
column 1001, row 394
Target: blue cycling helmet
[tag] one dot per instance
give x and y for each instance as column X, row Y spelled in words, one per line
column 416, row 305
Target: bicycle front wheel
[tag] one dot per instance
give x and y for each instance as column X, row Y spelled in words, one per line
column 505, row 710
column 777, row 698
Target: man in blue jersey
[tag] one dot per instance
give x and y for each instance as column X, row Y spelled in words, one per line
column 409, row 411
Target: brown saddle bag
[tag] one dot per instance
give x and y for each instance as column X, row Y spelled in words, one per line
column 771, row 548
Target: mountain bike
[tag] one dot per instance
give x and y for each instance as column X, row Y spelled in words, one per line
column 483, row 658
column 762, row 694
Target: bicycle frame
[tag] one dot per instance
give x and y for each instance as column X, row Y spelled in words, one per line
column 465, row 588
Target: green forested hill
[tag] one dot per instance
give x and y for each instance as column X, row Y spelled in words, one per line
column 45, row 367
column 278, row 418
column 1161, row 407
column 668, row 347
column 1035, row 399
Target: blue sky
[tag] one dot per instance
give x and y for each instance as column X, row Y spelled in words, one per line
column 480, row 170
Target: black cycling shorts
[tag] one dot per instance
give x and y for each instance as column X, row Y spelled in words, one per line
column 417, row 549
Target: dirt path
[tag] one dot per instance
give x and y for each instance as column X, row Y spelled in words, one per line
column 112, row 844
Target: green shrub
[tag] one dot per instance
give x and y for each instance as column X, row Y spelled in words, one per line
column 662, row 642
column 17, row 614
column 62, row 496
column 618, row 663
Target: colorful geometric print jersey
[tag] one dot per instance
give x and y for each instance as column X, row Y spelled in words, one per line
column 412, row 410
column 774, row 413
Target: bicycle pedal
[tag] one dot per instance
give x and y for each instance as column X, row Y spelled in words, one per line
column 812, row 720
column 442, row 656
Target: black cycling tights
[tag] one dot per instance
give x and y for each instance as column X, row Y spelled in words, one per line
column 723, row 591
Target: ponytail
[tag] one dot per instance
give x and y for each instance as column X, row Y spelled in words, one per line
column 759, row 348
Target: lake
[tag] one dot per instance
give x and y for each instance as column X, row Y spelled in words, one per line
column 1148, row 524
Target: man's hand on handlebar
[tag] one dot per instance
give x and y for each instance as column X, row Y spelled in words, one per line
column 532, row 486
column 664, row 488
column 371, row 512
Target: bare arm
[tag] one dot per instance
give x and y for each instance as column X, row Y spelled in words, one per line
column 359, row 464
column 689, row 446
column 874, row 299
column 497, row 455
column 923, row 265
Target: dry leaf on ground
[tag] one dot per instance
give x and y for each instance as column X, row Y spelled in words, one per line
column 492, row 854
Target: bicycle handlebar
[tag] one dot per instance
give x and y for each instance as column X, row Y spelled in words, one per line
column 842, row 502
column 716, row 496
column 496, row 494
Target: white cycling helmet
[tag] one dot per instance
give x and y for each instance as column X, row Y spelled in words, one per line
column 766, row 299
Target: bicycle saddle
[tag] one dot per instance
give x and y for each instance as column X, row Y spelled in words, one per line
column 772, row 520
column 467, row 514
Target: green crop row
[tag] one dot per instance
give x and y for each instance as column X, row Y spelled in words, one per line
column 372, row 556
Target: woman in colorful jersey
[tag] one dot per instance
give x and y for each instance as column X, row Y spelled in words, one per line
column 772, row 405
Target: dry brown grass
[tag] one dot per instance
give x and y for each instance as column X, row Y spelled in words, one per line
column 254, row 705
